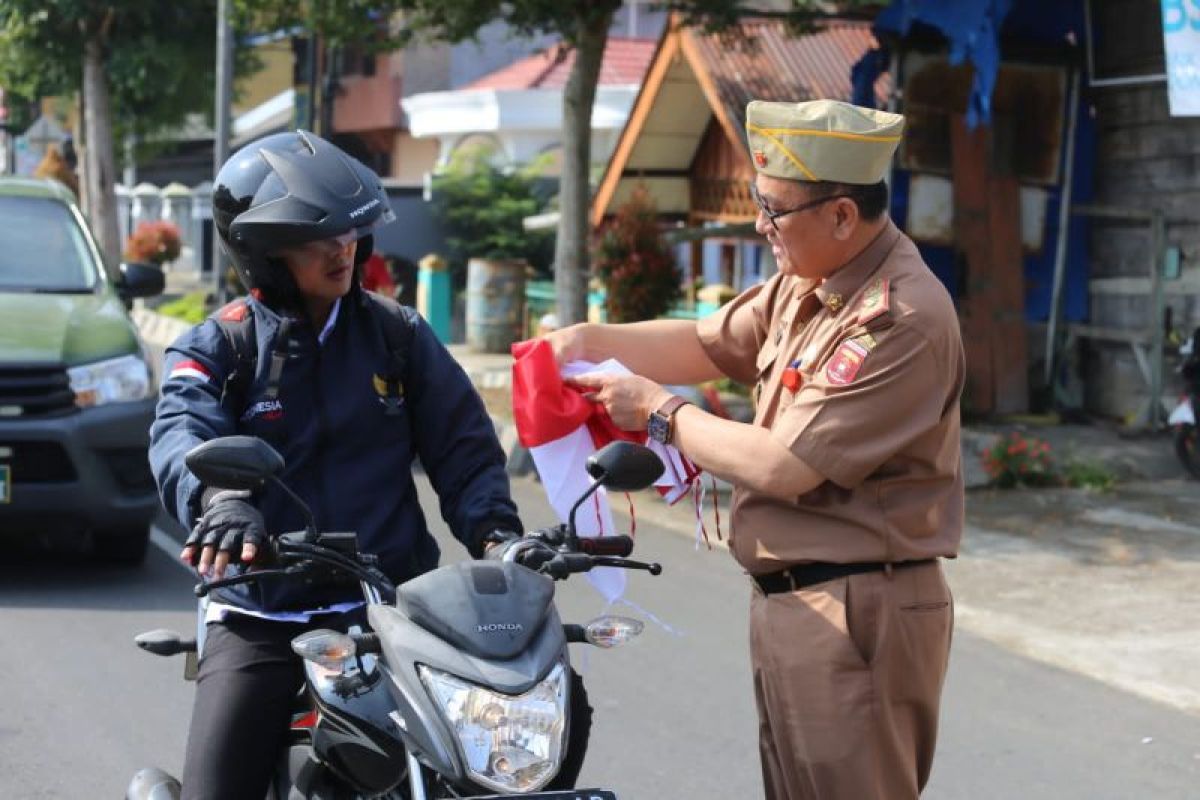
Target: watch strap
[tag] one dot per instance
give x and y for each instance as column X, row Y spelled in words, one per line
column 674, row 403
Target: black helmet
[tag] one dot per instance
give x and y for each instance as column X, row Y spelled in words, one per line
column 287, row 189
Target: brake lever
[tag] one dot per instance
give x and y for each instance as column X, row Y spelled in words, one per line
column 654, row 568
column 203, row 588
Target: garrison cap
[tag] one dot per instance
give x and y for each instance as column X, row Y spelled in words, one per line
column 822, row 140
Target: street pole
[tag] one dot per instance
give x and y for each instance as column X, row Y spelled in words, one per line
column 224, row 99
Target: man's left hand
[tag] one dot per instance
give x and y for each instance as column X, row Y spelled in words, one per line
column 629, row 399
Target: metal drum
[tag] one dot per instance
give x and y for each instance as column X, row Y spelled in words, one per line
column 495, row 304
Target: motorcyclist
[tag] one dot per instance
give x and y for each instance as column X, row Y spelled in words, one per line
column 295, row 215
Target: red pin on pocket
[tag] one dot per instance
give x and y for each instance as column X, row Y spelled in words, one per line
column 791, row 379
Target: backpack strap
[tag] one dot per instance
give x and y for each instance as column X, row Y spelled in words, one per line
column 236, row 323
column 396, row 327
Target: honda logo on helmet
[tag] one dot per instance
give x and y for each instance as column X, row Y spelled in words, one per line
column 358, row 212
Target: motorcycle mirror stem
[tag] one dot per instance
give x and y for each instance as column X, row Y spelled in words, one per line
column 310, row 522
column 572, row 539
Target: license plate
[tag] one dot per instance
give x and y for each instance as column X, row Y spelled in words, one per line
column 5, row 483
column 574, row 794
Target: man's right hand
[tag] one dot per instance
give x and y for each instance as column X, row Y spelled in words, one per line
column 230, row 527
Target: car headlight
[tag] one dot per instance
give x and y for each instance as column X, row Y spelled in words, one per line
column 510, row 744
column 112, row 381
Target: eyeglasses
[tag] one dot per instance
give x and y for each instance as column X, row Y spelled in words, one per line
column 774, row 215
column 323, row 248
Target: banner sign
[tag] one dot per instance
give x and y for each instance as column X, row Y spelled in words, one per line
column 1181, row 37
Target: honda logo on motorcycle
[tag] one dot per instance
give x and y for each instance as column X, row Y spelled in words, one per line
column 496, row 627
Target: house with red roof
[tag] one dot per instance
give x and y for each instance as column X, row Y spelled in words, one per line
column 685, row 140
column 518, row 108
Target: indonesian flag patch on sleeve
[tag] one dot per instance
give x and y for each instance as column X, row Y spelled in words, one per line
column 189, row 368
column 846, row 362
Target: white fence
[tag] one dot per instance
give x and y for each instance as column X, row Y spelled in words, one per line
column 188, row 208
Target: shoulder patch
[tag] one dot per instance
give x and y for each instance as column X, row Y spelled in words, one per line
column 234, row 312
column 875, row 302
column 846, row 362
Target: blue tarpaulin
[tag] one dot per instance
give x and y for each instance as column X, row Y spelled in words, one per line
column 972, row 28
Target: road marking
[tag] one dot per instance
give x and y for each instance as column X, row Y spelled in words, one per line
column 169, row 546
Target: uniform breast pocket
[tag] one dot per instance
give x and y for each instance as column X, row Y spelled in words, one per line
column 763, row 365
column 766, row 359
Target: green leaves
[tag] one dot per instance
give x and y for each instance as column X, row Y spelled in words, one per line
column 481, row 207
column 160, row 56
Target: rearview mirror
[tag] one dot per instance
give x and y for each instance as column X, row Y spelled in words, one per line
column 140, row 280
column 625, row 467
column 244, row 463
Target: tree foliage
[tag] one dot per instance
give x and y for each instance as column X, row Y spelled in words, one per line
column 481, row 207
column 159, row 70
column 363, row 23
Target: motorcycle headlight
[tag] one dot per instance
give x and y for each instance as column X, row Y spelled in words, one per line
column 113, row 381
column 510, row 744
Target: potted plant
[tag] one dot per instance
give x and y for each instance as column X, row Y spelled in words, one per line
column 636, row 266
column 154, row 242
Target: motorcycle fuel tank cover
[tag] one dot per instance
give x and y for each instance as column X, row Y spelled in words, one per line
column 488, row 609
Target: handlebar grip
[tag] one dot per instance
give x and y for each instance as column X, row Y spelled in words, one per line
column 620, row 546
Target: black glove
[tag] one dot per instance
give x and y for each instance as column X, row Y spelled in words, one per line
column 228, row 522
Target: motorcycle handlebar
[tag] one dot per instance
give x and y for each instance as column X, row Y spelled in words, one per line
column 619, row 546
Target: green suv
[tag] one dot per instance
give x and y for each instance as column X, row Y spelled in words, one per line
column 76, row 395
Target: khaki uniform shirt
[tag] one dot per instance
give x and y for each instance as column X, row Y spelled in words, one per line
column 859, row 376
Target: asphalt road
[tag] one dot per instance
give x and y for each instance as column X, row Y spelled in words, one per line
column 83, row 708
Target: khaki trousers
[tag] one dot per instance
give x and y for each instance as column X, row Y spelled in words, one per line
column 847, row 677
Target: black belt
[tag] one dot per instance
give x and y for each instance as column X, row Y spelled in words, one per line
column 804, row 575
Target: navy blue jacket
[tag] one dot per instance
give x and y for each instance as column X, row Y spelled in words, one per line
column 349, row 461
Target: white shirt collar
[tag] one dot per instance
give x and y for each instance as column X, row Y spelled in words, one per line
column 329, row 323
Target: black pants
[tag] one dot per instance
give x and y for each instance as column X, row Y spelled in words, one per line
column 245, row 690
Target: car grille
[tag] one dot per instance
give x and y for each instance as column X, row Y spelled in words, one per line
column 37, row 462
column 35, row 392
column 130, row 468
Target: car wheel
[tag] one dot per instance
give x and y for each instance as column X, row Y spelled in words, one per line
column 126, row 547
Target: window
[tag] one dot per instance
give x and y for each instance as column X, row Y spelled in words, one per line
column 42, row 248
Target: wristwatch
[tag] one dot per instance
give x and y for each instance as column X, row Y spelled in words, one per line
column 661, row 424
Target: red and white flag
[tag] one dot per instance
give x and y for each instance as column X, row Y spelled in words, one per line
column 189, row 368
column 561, row 429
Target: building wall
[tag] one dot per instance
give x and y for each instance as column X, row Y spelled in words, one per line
column 370, row 102
column 275, row 76
column 1145, row 159
column 412, row 159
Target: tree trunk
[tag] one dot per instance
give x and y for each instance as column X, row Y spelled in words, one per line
column 101, row 169
column 571, row 248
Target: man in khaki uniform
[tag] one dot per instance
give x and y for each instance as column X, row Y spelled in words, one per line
column 849, row 482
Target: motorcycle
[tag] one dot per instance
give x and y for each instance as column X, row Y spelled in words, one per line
column 461, row 686
column 1183, row 418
